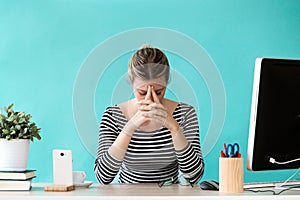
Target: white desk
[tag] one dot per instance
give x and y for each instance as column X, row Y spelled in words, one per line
column 140, row 191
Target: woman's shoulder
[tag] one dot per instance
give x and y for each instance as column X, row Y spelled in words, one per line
column 111, row 110
column 185, row 105
column 184, row 108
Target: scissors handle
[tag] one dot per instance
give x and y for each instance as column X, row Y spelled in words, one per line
column 222, row 154
column 232, row 150
column 225, row 151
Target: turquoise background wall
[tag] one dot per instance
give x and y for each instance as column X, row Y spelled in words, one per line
column 43, row 45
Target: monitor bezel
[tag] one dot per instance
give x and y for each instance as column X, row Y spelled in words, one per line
column 254, row 102
column 254, row 106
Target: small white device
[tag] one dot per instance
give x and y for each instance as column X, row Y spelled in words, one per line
column 62, row 167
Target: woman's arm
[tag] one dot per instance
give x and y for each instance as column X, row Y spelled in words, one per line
column 112, row 146
column 185, row 139
column 106, row 166
column 187, row 145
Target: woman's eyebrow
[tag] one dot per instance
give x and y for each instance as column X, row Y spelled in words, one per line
column 140, row 90
column 160, row 89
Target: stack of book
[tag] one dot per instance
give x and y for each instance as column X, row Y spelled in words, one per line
column 16, row 181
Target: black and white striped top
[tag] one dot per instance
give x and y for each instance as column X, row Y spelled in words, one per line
column 150, row 156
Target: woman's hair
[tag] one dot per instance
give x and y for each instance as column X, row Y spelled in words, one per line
column 148, row 63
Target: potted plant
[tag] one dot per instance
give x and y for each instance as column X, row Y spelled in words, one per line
column 16, row 132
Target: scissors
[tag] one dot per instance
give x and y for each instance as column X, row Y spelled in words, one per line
column 232, row 150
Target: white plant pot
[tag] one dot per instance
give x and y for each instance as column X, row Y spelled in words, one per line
column 14, row 154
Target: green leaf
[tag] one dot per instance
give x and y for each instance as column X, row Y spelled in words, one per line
column 2, row 117
column 10, row 106
column 21, row 114
column 28, row 117
column 36, row 135
column 11, row 118
column 18, row 127
column 22, row 120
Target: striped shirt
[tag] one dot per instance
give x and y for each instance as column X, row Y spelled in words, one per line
column 150, row 156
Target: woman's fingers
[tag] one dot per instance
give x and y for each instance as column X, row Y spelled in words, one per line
column 138, row 119
column 155, row 97
column 152, row 106
column 144, row 102
column 160, row 117
column 148, row 95
column 155, row 113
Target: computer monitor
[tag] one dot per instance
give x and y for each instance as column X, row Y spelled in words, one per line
column 274, row 131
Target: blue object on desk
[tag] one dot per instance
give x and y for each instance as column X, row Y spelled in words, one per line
column 232, row 150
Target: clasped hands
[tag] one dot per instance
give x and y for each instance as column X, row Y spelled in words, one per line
column 150, row 110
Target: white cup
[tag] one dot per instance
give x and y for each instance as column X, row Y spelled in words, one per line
column 79, row 176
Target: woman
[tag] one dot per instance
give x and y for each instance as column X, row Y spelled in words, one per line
column 149, row 138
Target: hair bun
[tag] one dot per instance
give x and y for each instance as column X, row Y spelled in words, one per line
column 144, row 46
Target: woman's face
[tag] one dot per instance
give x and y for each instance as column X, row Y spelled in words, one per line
column 141, row 87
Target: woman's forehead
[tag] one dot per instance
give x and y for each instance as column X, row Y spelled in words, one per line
column 155, row 86
column 143, row 84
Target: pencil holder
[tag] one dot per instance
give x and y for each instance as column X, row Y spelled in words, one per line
column 231, row 175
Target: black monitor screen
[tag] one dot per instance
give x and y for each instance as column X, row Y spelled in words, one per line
column 277, row 117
